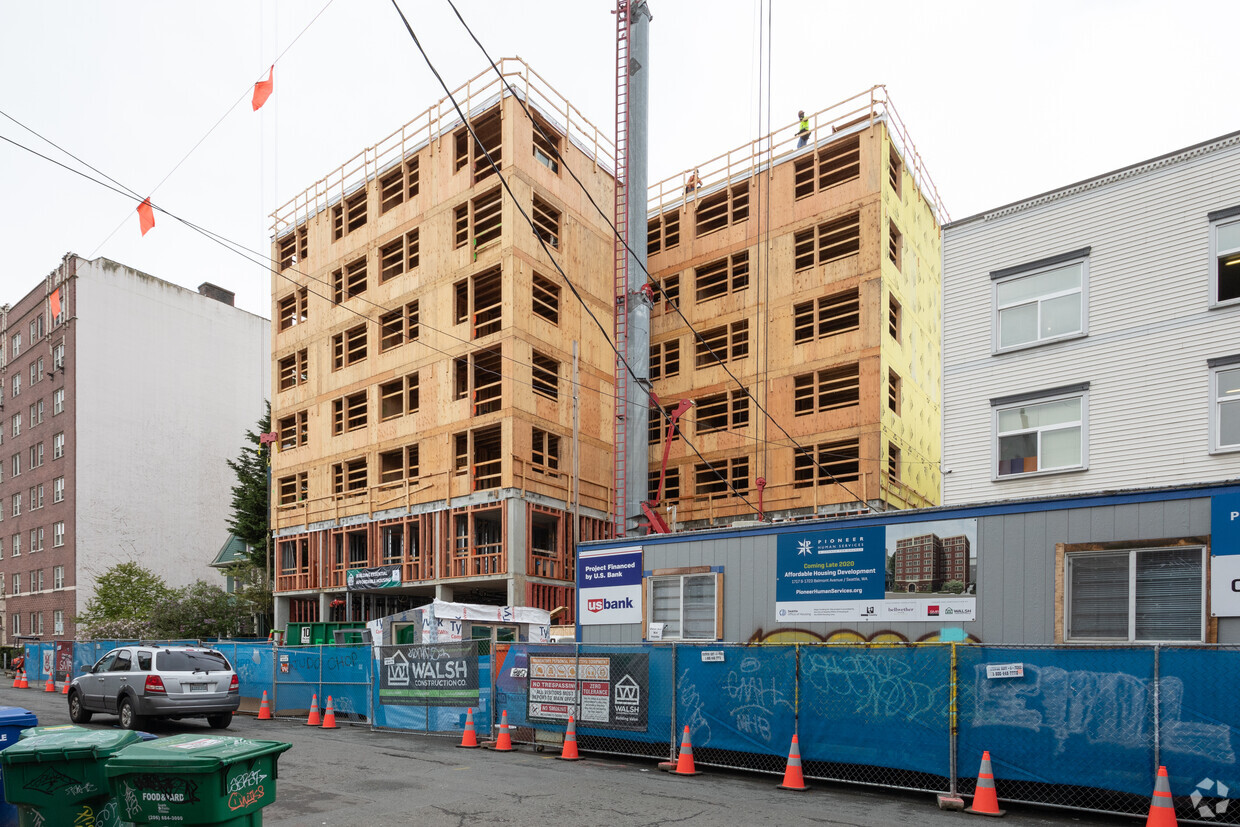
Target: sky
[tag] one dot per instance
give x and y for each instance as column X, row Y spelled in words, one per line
column 1003, row 100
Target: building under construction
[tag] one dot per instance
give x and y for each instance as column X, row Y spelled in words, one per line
column 445, row 403
column 437, row 381
column 797, row 305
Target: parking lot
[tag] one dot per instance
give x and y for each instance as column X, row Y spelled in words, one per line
column 352, row 776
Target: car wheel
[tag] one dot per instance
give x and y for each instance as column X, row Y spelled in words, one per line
column 78, row 713
column 220, row 720
column 129, row 719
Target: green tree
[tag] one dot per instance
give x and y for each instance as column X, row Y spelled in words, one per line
column 250, row 523
column 953, row 587
column 250, row 500
column 200, row 610
column 123, row 603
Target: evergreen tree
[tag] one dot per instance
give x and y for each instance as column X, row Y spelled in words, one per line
column 250, row 496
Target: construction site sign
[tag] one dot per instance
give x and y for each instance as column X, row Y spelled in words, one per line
column 439, row 674
column 603, row 690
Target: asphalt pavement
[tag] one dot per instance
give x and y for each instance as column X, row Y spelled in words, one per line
column 354, row 776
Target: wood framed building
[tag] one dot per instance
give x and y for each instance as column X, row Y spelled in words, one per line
column 805, row 280
column 423, row 352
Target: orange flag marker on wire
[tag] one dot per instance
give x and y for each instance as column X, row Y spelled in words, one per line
column 264, row 88
column 146, row 215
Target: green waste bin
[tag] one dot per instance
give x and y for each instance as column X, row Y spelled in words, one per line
column 59, row 778
column 36, row 731
column 192, row 779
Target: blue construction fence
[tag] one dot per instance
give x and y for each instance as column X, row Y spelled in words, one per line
column 1084, row 727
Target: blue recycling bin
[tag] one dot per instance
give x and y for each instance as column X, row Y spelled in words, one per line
column 13, row 719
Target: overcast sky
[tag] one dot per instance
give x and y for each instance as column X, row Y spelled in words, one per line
column 1002, row 99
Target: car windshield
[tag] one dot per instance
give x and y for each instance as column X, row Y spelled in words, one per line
column 191, row 662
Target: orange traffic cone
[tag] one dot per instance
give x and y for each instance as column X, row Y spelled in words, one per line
column 22, row 683
column 793, row 780
column 1162, row 808
column 264, row 710
column 504, row 743
column 17, row 679
column 313, row 720
column 985, row 800
column 50, row 686
column 470, row 739
column 569, row 753
column 329, row 717
column 64, row 689
column 684, row 764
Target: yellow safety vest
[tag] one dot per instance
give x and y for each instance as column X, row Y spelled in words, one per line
column 805, row 125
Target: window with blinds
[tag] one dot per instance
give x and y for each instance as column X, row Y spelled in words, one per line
column 686, row 606
column 1137, row 595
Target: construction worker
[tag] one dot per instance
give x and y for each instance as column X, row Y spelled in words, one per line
column 695, row 181
column 803, row 132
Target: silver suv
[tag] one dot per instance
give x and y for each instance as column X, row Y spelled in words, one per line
column 147, row 681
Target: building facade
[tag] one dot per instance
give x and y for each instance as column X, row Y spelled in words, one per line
column 123, row 397
column 797, row 306
column 1090, row 334
column 444, row 401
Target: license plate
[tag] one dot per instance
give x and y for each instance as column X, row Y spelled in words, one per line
column 197, row 687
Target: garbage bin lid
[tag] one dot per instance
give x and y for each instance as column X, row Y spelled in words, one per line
column 36, row 731
column 68, row 745
column 16, row 716
column 190, row 753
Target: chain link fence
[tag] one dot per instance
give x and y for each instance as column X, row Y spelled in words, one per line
column 1077, row 727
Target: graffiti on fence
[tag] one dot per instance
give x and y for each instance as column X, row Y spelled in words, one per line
column 875, row 683
column 755, row 699
column 1106, row 708
column 846, row 636
column 692, row 705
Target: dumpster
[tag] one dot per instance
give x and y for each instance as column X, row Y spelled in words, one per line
column 12, row 719
column 192, row 779
column 35, row 732
column 59, row 778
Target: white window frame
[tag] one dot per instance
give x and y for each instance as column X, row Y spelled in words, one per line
column 58, row 445
column 1216, row 402
column 1036, row 270
column 681, row 577
column 58, row 401
column 58, row 577
column 1029, row 401
column 58, row 622
column 17, row 623
column 17, row 582
column 58, row 534
column 1132, row 597
column 58, row 490
column 1215, row 253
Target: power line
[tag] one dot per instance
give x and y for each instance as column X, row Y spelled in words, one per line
column 495, row 167
column 804, row 451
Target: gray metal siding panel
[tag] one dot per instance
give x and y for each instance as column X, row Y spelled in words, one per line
column 1126, row 527
column 1150, row 520
column 1037, row 623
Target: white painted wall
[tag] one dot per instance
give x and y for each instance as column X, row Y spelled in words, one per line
column 1150, row 328
column 167, row 383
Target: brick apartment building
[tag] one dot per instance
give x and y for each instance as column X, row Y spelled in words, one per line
column 121, row 397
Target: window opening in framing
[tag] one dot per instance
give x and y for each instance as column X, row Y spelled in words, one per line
column 349, row 477
column 286, row 249
column 479, row 219
column 895, row 243
column 546, row 376
column 657, row 427
column 893, row 462
column 349, row 413
column 723, row 344
column 826, row 390
column 398, row 256
column 726, row 276
column 399, row 397
column 294, row 430
column 349, row 347
column 663, row 232
column 893, row 391
column 294, row 369
column 398, row 327
column 460, row 453
column 488, row 458
column 546, row 149
column 827, row 242
column 826, row 316
column 349, row 281
column 488, row 380
column 895, row 170
column 835, row 462
column 399, row 464
column 294, row 488
column 671, row 485
column 398, row 184
column 665, row 359
column 545, row 453
column 712, row 479
column 893, row 318
column 546, row 298
column 834, row 164
column 714, row 212
column 293, row 308
column 546, row 222
column 488, row 302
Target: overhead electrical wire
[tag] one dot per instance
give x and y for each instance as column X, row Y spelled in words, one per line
column 796, row 445
column 542, row 242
